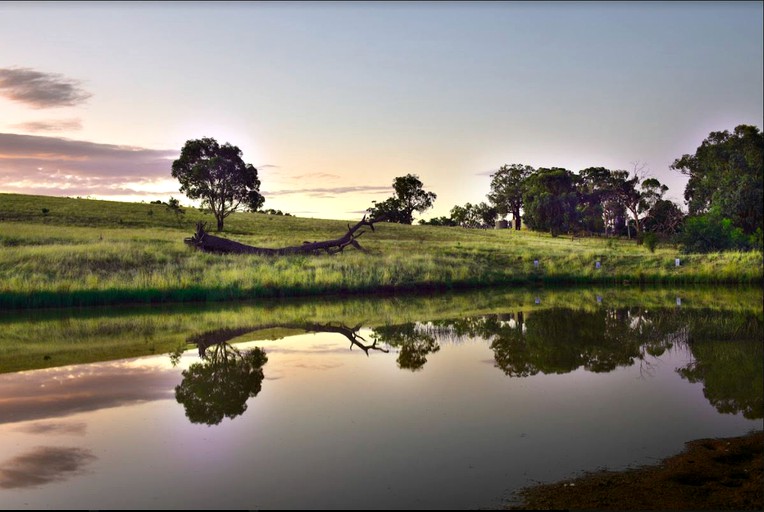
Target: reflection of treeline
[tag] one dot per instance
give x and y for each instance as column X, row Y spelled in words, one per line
column 32, row 339
column 726, row 346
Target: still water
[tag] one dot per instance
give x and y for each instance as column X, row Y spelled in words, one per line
column 451, row 402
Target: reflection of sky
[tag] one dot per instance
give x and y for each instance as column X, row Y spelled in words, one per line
column 66, row 390
column 43, row 465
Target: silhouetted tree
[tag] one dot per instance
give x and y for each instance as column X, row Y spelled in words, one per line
column 218, row 176
column 410, row 196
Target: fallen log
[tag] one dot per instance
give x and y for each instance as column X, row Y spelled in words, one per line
column 203, row 241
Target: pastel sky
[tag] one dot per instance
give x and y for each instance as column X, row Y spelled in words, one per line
column 332, row 100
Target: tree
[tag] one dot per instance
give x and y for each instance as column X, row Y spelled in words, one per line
column 636, row 193
column 665, row 217
column 470, row 215
column 438, row 221
column 507, row 189
column 595, row 199
column 390, row 209
column 410, row 196
column 487, row 214
column 727, row 171
column 218, row 176
column 550, row 201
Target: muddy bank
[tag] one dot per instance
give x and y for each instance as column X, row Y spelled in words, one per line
column 710, row 474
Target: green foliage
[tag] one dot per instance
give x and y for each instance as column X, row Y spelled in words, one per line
column 710, row 233
column 220, row 386
column 480, row 215
column 665, row 217
column 218, row 176
column 508, row 185
column 438, row 221
column 550, row 201
column 410, row 196
column 650, row 240
column 727, row 172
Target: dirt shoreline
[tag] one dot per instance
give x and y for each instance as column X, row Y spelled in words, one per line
column 710, row 474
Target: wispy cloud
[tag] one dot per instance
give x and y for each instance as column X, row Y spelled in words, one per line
column 48, row 428
column 40, row 90
column 329, row 192
column 53, row 125
column 33, row 164
column 315, row 176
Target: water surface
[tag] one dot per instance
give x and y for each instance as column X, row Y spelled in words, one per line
column 450, row 402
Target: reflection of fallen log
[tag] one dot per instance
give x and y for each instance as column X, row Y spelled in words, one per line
column 207, row 339
column 210, row 243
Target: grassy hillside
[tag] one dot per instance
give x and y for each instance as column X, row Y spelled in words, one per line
column 69, row 252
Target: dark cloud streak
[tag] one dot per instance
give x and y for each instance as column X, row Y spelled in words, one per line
column 43, row 465
column 40, row 90
column 33, row 163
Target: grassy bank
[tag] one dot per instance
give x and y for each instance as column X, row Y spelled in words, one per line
column 61, row 252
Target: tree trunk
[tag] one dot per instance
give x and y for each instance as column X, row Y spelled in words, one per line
column 203, row 241
column 516, row 218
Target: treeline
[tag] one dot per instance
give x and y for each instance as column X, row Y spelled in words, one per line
column 723, row 197
column 556, row 200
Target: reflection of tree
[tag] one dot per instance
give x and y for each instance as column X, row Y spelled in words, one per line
column 414, row 345
column 220, row 385
column 728, row 354
column 562, row 340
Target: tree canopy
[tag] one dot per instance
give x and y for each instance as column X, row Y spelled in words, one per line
column 508, row 185
column 727, row 171
column 550, row 200
column 409, row 197
column 218, row 176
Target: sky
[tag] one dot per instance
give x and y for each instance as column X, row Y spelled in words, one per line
column 331, row 101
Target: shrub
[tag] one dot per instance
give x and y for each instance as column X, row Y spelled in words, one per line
column 710, row 233
column 650, row 240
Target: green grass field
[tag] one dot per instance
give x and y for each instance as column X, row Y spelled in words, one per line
column 61, row 252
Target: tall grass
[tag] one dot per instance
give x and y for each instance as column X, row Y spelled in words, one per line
column 86, row 252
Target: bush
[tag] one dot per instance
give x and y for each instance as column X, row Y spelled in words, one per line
column 710, row 233
column 650, row 240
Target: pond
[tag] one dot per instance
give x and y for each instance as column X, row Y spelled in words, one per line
column 452, row 402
